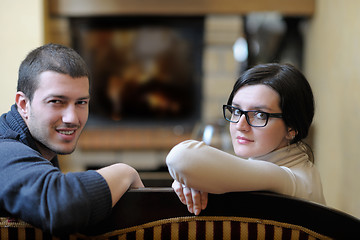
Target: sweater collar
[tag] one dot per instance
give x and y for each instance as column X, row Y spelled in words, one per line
column 13, row 125
column 287, row 156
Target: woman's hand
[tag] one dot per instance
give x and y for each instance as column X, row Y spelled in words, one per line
column 195, row 200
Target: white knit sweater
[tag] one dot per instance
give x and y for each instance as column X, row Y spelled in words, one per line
column 287, row 171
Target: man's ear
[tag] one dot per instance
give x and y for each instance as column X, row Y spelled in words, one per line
column 23, row 104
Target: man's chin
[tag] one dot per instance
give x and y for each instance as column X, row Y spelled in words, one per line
column 56, row 148
column 65, row 152
column 63, row 149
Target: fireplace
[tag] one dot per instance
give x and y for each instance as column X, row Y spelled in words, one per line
column 143, row 140
column 145, row 70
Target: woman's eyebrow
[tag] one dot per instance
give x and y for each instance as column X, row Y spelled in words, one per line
column 256, row 107
column 266, row 108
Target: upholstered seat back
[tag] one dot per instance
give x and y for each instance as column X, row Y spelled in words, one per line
column 214, row 228
column 158, row 214
column 15, row 229
column 183, row 228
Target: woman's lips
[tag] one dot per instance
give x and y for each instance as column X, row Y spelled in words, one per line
column 243, row 140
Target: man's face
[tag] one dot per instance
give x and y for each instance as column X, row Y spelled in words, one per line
column 58, row 112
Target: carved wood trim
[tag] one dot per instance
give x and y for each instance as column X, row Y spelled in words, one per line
column 71, row 8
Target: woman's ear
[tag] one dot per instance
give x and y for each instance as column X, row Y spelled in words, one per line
column 23, row 104
column 291, row 134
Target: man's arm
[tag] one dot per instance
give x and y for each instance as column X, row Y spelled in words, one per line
column 38, row 193
column 120, row 177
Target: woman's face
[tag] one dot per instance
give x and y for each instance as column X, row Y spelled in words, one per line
column 251, row 141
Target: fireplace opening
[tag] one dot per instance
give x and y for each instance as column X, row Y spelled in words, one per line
column 144, row 70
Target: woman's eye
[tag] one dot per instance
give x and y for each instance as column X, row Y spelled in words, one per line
column 260, row 115
column 236, row 112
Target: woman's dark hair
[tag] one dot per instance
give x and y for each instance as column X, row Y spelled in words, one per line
column 296, row 97
column 50, row 57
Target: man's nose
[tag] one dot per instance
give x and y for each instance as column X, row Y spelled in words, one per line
column 70, row 115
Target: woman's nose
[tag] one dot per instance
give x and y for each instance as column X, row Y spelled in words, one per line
column 243, row 124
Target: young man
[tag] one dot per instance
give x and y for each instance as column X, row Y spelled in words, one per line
column 50, row 112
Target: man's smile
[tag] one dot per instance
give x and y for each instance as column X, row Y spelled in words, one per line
column 66, row 132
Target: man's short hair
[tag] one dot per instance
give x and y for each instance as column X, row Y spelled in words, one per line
column 49, row 57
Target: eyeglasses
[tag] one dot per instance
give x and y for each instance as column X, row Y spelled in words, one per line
column 253, row 118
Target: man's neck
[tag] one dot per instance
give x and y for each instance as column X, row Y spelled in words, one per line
column 45, row 152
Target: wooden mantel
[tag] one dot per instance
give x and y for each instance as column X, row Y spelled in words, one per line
column 111, row 139
column 86, row 8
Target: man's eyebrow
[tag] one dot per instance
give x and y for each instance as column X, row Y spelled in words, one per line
column 65, row 97
column 55, row 96
column 84, row 98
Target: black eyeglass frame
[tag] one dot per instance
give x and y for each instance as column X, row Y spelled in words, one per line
column 242, row 112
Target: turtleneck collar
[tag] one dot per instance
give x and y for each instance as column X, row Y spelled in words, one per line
column 287, row 156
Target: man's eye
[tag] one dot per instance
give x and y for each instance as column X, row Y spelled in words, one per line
column 55, row 101
column 260, row 115
column 82, row 102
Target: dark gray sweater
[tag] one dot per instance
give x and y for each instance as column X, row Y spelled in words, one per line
column 36, row 191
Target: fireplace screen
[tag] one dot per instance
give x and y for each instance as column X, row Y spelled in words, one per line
column 143, row 69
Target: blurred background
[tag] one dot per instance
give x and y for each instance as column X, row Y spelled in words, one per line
column 162, row 70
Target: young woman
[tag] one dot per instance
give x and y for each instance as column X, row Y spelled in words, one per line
column 270, row 110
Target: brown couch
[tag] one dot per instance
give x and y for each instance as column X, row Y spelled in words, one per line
column 156, row 213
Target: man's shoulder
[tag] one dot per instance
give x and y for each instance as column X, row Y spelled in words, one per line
column 15, row 147
column 9, row 141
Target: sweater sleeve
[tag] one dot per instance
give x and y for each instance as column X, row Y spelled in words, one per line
column 208, row 169
column 306, row 181
column 40, row 194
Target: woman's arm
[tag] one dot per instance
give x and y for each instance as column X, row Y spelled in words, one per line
column 208, row 169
